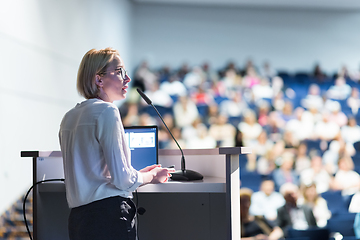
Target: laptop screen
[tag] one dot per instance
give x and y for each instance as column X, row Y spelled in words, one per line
column 143, row 144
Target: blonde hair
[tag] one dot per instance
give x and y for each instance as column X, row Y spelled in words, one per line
column 93, row 63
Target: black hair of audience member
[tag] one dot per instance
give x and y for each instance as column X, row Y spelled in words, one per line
column 238, row 139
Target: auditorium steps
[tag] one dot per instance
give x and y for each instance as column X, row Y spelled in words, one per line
column 12, row 224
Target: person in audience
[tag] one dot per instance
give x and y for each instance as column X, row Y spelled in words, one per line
column 277, row 84
column 211, row 115
column 99, row 177
column 267, row 72
column 252, row 227
column 183, row 70
column 340, row 90
column 326, row 130
column 266, row 201
column 202, row 139
column 357, row 225
column 238, row 139
column 234, row 106
column 337, row 148
column 263, row 113
column 263, row 90
column 316, row 174
column 346, row 179
column 313, row 99
column 201, row 96
column 145, row 119
column 131, row 118
column 336, row 115
column 251, row 77
column 287, row 113
column 171, row 144
column 351, row 132
column 262, row 144
column 354, row 101
column 163, row 134
column 174, row 87
column 292, row 215
column 302, row 125
column 223, row 132
column 290, row 141
column 194, row 78
column 145, row 76
column 250, row 128
column 310, row 196
column 265, row 165
column 158, row 96
column 285, row 173
column 302, row 160
column 185, row 111
column 318, row 74
column 354, row 206
column 190, row 131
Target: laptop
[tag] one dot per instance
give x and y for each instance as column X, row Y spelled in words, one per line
column 143, row 144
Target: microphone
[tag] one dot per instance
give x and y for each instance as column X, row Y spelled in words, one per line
column 179, row 175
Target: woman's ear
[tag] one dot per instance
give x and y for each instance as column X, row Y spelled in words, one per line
column 98, row 81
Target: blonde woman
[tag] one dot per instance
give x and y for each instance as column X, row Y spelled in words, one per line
column 99, row 178
column 318, row 204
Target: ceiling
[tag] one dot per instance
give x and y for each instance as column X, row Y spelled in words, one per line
column 295, row 4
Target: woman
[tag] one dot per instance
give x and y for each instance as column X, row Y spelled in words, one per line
column 252, row 227
column 99, row 178
column 318, row 204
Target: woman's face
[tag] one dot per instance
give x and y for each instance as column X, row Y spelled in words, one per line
column 112, row 85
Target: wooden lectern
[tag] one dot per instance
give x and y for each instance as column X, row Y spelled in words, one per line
column 208, row 209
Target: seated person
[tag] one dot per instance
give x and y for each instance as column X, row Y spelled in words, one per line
column 318, row 204
column 291, row 215
column 251, row 226
column 285, row 173
column 266, row 201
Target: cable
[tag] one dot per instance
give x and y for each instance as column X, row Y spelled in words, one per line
column 137, row 214
column 27, row 194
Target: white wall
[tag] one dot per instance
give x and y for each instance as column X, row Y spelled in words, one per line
column 289, row 39
column 41, row 46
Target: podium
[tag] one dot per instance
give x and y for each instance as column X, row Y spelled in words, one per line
column 204, row 209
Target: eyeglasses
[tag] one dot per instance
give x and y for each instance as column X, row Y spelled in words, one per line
column 119, row 71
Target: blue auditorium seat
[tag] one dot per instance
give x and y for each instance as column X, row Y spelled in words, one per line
column 250, row 180
column 242, row 161
column 342, row 223
column 311, row 234
column 335, row 202
column 162, row 110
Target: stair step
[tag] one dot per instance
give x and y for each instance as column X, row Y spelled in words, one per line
column 14, row 232
column 12, row 225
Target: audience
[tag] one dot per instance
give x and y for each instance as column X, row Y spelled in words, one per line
column 299, row 133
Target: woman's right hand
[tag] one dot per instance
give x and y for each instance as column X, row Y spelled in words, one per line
column 161, row 175
column 156, row 174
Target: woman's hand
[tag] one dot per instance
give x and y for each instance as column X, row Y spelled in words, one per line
column 149, row 168
column 156, row 174
column 161, row 175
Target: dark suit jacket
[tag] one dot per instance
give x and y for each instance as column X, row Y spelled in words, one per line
column 284, row 219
